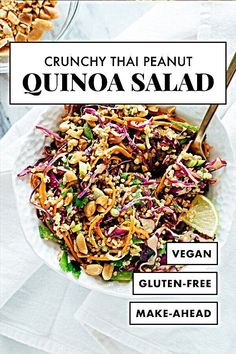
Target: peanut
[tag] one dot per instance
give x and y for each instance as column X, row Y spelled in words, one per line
column 94, row 269
column 81, row 243
column 102, row 200
column 68, row 199
column 76, row 157
column 64, row 126
column 75, row 134
column 107, row 271
column 90, row 208
column 108, row 191
column 69, row 176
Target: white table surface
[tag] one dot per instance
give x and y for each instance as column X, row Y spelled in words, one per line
column 106, row 24
column 96, row 20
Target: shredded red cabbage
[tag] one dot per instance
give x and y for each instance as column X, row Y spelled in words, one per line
column 215, row 164
column 50, row 133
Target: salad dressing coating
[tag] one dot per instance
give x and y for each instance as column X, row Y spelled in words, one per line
column 112, row 185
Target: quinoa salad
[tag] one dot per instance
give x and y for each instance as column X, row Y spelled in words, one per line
column 112, row 184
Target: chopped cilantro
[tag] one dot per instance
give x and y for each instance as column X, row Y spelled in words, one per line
column 183, row 141
column 67, row 266
column 124, row 175
column 88, row 132
column 75, row 269
column 80, row 202
column 64, row 194
column 136, row 181
column 122, row 276
column 137, row 240
column 46, row 234
column 162, row 251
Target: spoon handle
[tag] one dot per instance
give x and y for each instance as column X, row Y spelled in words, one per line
column 212, row 108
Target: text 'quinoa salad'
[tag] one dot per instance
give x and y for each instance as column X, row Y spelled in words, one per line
column 113, row 184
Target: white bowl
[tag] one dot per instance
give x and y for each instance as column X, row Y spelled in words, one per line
column 221, row 194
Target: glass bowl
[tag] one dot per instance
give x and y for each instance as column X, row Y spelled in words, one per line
column 68, row 11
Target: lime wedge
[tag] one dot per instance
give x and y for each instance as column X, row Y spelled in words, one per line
column 202, row 215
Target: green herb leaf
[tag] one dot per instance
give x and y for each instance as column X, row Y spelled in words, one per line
column 136, row 181
column 138, row 195
column 162, row 251
column 122, row 276
column 183, row 141
column 69, row 208
column 46, row 234
column 67, row 266
column 118, row 263
column 80, row 202
column 75, row 269
column 185, row 125
column 137, row 240
column 64, row 194
column 88, row 132
column 200, row 162
column 76, row 228
column 64, row 264
column 124, row 175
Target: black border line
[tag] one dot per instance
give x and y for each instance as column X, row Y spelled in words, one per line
column 175, row 324
column 195, row 264
column 169, row 294
column 89, row 42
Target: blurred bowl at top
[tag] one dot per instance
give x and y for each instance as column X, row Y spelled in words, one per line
column 68, row 11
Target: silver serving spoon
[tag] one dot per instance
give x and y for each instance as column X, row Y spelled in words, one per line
column 196, row 146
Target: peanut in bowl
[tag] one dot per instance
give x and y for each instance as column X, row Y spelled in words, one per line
column 100, row 193
column 34, row 20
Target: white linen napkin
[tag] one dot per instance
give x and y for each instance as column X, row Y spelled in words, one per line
column 17, row 261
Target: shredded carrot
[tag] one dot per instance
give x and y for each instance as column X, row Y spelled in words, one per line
column 126, row 148
column 100, row 217
column 91, row 227
column 42, row 190
column 113, row 196
column 161, row 185
column 55, row 206
column 129, row 236
column 99, row 232
column 95, row 161
column 69, row 244
column 139, row 230
column 178, row 119
column 99, row 258
column 34, row 181
column 129, row 179
column 116, row 158
column 118, row 150
column 135, row 119
column 116, row 119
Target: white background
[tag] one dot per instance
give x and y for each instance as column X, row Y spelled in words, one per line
column 189, row 20
column 204, row 61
